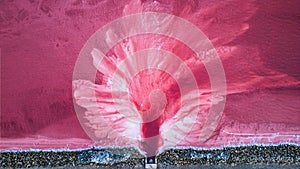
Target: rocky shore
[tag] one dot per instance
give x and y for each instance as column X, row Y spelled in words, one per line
column 282, row 156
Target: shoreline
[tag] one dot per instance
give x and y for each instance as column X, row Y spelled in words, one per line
column 253, row 155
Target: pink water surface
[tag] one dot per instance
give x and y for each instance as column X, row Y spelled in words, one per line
column 257, row 42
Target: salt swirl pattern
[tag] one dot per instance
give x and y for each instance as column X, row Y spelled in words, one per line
column 136, row 116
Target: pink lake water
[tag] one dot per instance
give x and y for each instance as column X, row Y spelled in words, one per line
column 256, row 41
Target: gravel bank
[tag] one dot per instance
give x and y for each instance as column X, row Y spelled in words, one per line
column 280, row 156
